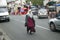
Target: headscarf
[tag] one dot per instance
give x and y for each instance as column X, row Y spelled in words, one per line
column 30, row 13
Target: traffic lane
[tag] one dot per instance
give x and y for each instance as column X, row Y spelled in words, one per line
column 17, row 17
column 54, row 37
column 42, row 22
column 13, row 29
column 48, row 35
column 16, row 30
column 45, row 34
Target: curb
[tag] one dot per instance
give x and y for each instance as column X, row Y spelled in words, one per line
column 4, row 35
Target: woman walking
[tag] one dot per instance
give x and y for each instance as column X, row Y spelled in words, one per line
column 30, row 23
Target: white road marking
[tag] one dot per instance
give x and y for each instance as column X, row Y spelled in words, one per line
column 36, row 25
column 42, row 27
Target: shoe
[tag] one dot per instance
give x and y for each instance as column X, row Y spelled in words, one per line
column 30, row 32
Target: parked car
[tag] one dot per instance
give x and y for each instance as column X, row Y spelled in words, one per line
column 34, row 10
column 42, row 13
column 4, row 15
column 54, row 23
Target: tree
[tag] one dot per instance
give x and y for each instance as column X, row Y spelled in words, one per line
column 36, row 2
column 51, row 3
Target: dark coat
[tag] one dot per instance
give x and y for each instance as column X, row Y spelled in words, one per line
column 27, row 21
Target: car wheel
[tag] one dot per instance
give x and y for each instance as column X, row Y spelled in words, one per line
column 52, row 27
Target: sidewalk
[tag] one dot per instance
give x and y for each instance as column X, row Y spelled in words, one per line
column 3, row 35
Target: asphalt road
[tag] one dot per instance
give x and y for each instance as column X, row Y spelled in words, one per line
column 16, row 30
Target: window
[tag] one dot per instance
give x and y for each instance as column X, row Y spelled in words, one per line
column 3, row 9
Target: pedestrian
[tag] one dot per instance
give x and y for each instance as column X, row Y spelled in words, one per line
column 25, row 9
column 19, row 8
column 22, row 11
column 30, row 23
column 58, row 14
